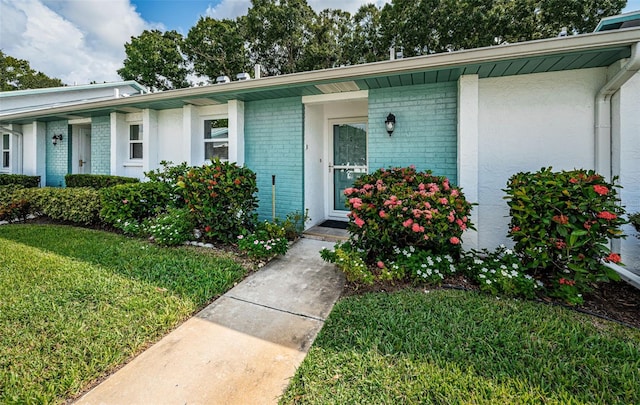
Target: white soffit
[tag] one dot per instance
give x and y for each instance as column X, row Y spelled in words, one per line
column 201, row 101
column 129, row 109
column 339, row 87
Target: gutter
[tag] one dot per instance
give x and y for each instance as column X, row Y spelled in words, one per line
column 603, row 137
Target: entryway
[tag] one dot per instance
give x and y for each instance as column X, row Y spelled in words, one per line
column 81, row 149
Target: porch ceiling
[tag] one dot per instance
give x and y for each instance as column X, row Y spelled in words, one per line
column 579, row 52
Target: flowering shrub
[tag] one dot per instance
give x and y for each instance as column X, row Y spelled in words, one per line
column 500, row 272
column 561, row 223
column 267, row 241
column 221, row 197
column 402, row 207
column 172, row 228
column 422, row 266
column 169, row 174
column 126, row 206
column 349, row 260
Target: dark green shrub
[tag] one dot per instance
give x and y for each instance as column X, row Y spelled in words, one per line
column 400, row 207
column 126, row 206
column 561, row 223
column 635, row 220
column 96, row 181
column 17, row 210
column 19, row 179
column 78, row 205
column 221, row 196
column 268, row 240
column 172, row 228
column 170, row 175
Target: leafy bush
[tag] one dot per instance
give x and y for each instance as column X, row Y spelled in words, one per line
column 293, row 224
column 350, row 261
column 401, row 207
column 16, row 210
column 635, row 220
column 421, row 265
column 79, row 205
column 172, row 228
column 500, row 272
column 221, row 197
column 19, row 179
column 561, row 223
column 96, row 181
column 170, row 175
column 126, row 206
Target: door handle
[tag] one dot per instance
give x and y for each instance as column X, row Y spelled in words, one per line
column 81, row 163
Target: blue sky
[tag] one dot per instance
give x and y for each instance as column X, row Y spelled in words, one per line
column 80, row 41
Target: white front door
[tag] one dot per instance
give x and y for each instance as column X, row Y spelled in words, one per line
column 81, row 151
column 347, row 161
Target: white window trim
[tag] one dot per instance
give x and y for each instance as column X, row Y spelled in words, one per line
column 202, row 136
column 3, row 168
column 131, row 142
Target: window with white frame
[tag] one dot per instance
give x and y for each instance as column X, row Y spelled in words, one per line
column 135, row 141
column 6, row 151
column 216, row 139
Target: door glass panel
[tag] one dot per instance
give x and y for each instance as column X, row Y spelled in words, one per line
column 350, row 145
column 350, row 159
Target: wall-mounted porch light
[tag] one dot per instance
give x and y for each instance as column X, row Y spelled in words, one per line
column 390, row 123
column 56, row 138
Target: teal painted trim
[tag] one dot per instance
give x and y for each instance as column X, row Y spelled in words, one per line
column 614, row 22
column 274, row 146
column 57, row 156
column 426, row 128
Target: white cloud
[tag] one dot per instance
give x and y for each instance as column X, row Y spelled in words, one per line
column 75, row 40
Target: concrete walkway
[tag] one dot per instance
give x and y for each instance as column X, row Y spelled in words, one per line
column 242, row 349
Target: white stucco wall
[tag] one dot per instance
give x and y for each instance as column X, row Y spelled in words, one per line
column 626, row 163
column 525, row 123
column 170, row 137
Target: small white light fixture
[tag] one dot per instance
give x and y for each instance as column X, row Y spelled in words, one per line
column 222, row 79
column 243, row 76
column 390, row 123
column 56, row 138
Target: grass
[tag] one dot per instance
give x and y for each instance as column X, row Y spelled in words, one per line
column 453, row 347
column 76, row 303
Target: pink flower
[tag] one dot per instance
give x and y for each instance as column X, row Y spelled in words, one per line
column 454, row 240
column 355, row 202
column 613, row 257
column 602, row 190
column 380, row 264
column 367, row 187
column 445, row 185
column 443, row 201
column 417, row 228
column 359, row 222
column 407, row 223
column 607, row 215
column 421, row 187
column 455, row 192
column 451, row 217
column 349, row 191
column 383, row 214
column 125, row 201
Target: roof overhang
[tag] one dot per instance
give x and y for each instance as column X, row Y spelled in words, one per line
column 556, row 54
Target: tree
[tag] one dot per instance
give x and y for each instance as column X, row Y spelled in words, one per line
column 155, row 59
column 278, row 32
column 366, row 43
column 217, row 47
column 328, row 45
column 17, row 74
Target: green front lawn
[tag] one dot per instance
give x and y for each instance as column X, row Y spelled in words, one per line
column 76, row 303
column 454, row 347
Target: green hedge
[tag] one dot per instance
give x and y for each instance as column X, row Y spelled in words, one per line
column 97, row 181
column 19, row 179
column 78, row 205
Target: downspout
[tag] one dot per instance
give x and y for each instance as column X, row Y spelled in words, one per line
column 603, row 138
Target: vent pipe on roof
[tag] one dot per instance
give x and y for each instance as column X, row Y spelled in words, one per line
column 116, row 93
column 257, row 70
column 392, row 53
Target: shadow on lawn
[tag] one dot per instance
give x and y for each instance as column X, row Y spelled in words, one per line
column 182, row 272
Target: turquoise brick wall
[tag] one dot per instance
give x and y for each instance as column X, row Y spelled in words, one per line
column 273, row 136
column 426, row 128
column 58, row 155
column 101, row 145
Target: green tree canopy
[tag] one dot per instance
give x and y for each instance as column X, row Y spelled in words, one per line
column 155, row 60
column 17, row 74
column 217, row 47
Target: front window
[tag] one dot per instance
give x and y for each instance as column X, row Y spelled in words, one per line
column 216, row 139
column 135, row 141
column 6, row 152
